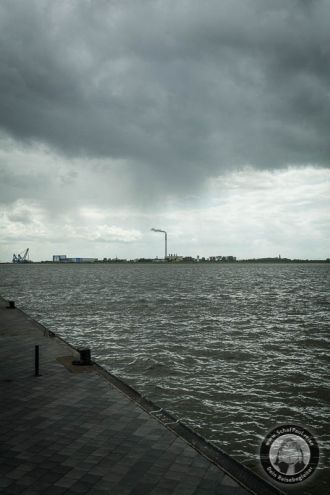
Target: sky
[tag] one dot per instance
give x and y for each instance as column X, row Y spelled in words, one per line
column 210, row 120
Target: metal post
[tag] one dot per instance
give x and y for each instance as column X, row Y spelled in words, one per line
column 165, row 245
column 36, row 361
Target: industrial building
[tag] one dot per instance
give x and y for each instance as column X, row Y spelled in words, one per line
column 62, row 258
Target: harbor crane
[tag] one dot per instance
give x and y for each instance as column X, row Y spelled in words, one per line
column 22, row 257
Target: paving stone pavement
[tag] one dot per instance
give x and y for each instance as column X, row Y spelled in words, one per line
column 68, row 432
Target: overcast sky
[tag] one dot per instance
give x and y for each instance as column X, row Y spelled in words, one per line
column 209, row 119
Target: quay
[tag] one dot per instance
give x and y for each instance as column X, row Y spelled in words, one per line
column 81, row 430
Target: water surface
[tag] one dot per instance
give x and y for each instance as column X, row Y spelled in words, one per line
column 231, row 349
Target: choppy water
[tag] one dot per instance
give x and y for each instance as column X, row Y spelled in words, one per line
column 232, row 350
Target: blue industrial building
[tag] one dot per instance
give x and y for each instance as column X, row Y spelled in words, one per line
column 62, row 258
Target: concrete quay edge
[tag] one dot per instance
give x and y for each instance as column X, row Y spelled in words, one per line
column 246, row 478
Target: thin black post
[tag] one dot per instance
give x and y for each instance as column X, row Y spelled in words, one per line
column 36, row 361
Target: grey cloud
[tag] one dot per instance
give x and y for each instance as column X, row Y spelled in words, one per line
column 179, row 90
column 19, row 184
column 22, row 218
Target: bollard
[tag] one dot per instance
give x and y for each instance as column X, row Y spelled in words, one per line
column 11, row 305
column 36, row 361
column 85, row 358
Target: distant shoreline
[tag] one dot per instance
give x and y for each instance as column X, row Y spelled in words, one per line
column 191, row 262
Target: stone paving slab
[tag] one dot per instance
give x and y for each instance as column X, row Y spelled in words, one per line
column 68, row 432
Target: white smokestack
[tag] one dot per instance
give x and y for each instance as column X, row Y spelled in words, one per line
column 163, row 232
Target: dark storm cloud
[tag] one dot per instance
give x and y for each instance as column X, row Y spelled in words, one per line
column 180, row 90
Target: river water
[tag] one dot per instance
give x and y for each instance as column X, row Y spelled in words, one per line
column 233, row 350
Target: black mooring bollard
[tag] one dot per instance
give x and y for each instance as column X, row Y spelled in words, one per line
column 11, row 305
column 85, row 358
column 36, row 361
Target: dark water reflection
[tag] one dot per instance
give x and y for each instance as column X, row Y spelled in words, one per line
column 233, row 350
